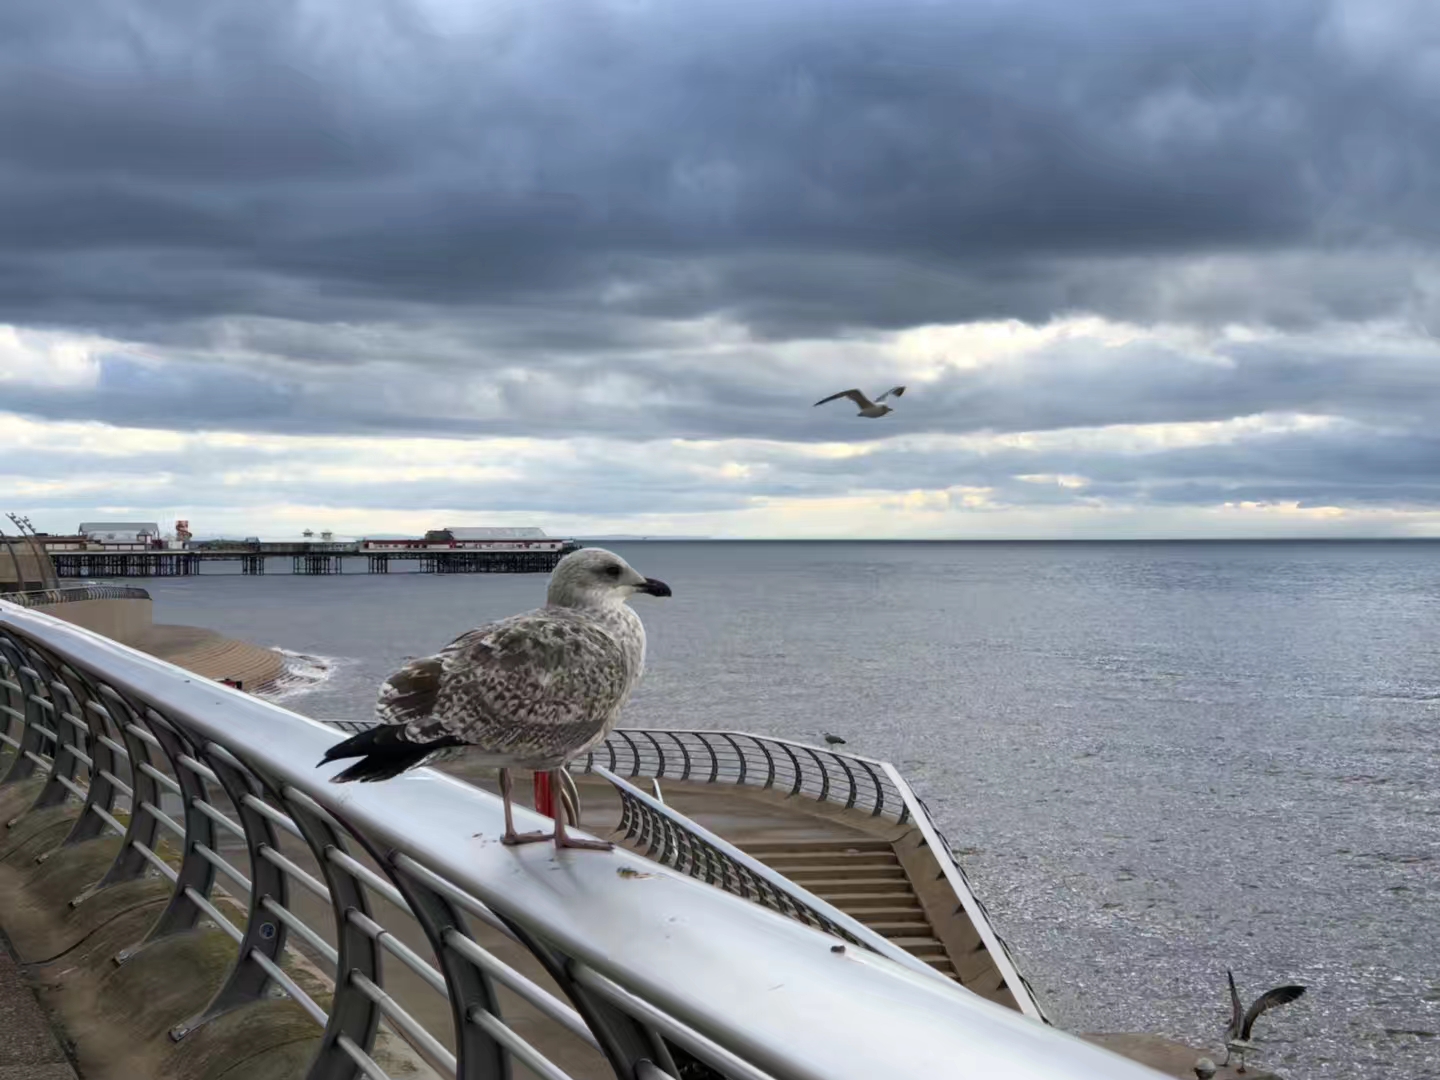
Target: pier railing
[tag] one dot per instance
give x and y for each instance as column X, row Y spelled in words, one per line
column 617, row 965
column 823, row 774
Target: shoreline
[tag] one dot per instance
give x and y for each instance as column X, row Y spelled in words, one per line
column 212, row 655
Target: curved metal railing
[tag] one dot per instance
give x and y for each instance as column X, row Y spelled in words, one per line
column 737, row 757
column 684, row 845
column 634, row 970
column 825, row 775
column 70, row 593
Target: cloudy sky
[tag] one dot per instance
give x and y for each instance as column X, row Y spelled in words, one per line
column 1148, row 269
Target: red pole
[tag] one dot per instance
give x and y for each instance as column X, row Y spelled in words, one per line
column 544, row 796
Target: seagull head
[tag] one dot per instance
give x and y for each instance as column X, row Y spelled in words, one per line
column 594, row 577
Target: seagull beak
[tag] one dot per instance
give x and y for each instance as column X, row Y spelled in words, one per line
column 654, row 588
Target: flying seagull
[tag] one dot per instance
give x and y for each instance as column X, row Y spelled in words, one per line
column 533, row 691
column 1237, row 1035
column 868, row 408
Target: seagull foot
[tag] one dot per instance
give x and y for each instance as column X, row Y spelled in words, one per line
column 514, row 839
column 583, row 845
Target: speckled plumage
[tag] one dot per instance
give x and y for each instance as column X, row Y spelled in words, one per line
column 530, row 691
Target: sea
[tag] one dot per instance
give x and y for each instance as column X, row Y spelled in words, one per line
column 1158, row 761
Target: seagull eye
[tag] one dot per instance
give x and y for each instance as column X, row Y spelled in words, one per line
column 613, row 570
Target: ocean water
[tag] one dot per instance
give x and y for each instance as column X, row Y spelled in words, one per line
column 1157, row 760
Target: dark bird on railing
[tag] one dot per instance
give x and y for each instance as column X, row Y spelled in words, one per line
column 1237, row 1035
column 532, row 691
column 833, row 740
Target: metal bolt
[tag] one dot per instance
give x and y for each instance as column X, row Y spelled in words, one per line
column 267, row 930
column 122, row 956
column 178, row 1032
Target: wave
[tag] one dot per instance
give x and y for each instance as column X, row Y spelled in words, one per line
column 303, row 672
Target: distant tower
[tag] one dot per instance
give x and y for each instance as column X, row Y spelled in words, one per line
column 182, row 531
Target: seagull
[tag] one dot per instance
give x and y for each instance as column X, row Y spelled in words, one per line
column 532, row 691
column 1237, row 1035
column 871, row 409
column 833, row 740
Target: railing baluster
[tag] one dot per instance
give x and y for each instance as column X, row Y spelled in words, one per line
column 95, row 818
column 265, row 935
column 23, row 766
column 480, row 1056
column 196, row 873
column 142, row 833
column 354, row 1018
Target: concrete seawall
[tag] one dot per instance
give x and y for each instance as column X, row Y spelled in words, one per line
column 205, row 652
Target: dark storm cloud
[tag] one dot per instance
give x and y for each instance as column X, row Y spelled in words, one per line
column 430, row 218
column 801, row 166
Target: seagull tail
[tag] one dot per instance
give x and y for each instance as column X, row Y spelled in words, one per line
column 383, row 752
column 382, row 767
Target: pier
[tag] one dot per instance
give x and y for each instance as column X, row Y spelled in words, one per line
column 305, row 559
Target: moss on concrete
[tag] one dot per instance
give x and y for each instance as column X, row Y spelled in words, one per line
column 270, row 1039
column 167, row 981
column 71, row 869
column 37, row 832
column 15, row 799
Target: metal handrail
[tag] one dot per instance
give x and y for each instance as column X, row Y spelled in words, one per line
column 739, row 757
column 820, row 773
column 67, row 594
column 654, row 967
column 687, row 846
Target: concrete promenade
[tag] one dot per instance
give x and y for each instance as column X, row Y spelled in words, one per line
column 29, row 1046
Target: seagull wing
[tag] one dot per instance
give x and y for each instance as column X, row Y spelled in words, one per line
column 1235, row 1007
column 894, row 391
column 521, row 686
column 1281, row 995
column 854, row 395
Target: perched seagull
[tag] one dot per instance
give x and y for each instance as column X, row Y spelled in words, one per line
column 533, row 691
column 833, row 740
column 868, row 408
column 1237, row 1035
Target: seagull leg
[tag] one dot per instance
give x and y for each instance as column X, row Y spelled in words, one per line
column 564, row 839
column 511, row 836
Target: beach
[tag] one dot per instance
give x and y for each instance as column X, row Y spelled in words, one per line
column 215, row 656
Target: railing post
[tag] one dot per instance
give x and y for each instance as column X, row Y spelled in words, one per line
column 102, row 794
column 141, row 833
column 32, row 741
column 544, row 796
column 264, row 933
column 64, row 762
column 354, row 1018
column 196, row 872
column 479, row 1056
column 623, row 1040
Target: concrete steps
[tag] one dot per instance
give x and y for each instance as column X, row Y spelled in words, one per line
column 864, row 879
